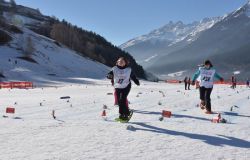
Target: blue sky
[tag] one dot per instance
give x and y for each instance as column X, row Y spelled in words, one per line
column 121, row 20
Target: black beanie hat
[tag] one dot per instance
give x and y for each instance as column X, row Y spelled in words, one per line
column 208, row 62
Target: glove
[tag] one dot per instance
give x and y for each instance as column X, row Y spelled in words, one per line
column 110, row 76
column 137, row 82
column 193, row 83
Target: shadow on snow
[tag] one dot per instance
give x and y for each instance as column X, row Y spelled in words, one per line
column 173, row 115
column 235, row 114
column 212, row 140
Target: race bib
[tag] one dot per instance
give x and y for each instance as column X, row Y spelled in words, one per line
column 207, row 77
column 121, row 77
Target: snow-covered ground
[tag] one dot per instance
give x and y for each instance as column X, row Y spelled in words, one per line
column 79, row 132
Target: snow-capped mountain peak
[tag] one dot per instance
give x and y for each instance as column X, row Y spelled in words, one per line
column 145, row 47
column 242, row 11
column 247, row 11
column 169, row 32
column 173, row 32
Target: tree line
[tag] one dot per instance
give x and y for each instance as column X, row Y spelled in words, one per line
column 90, row 44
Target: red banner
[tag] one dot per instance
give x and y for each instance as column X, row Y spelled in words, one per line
column 21, row 85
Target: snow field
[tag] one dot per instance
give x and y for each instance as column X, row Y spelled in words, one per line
column 79, row 131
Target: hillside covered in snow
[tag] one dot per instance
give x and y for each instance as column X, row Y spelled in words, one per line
column 42, row 49
column 52, row 63
column 28, row 56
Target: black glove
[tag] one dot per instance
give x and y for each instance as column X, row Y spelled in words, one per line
column 110, row 76
column 193, row 83
column 137, row 82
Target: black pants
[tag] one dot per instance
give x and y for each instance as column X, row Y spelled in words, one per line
column 186, row 86
column 205, row 96
column 234, row 85
column 122, row 98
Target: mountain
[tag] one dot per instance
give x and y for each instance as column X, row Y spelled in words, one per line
column 224, row 40
column 85, row 43
column 158, row 42
column 226, row 43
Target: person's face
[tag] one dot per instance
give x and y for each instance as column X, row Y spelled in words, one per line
column 121, row 63
column 207, row 66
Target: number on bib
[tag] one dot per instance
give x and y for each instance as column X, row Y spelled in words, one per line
column 206, row 79
column 120, row 81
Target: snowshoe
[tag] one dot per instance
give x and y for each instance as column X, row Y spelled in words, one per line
column 208, row 112
column 122, row 119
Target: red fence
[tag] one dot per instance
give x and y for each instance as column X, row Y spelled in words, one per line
column 22, row 85
column 229, row 83
column 216, row 82
column 173, row 81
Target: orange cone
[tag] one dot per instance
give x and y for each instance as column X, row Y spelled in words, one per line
column 166, row 113
column 216, row 119
column 104, row 113
column 219, row 116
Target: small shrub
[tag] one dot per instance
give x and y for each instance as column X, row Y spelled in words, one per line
column 4, row 37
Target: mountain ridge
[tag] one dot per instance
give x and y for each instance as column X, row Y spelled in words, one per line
column 221, row 36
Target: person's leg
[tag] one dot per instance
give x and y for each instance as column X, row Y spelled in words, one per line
column 202, row 97
column 208, row 99
column 118, row 95
column 125, row 101
column 116, row 99
column 185, row 86
column 122, row 101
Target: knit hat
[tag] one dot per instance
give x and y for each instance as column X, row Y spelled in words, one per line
column 208, row 62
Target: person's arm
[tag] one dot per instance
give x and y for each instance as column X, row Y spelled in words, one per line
column 196, row 75
column 216, row 75
column 133, row 77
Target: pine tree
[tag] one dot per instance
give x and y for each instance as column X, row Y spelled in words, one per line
column 1, row 8
column 1, row 12
column 13, row 3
